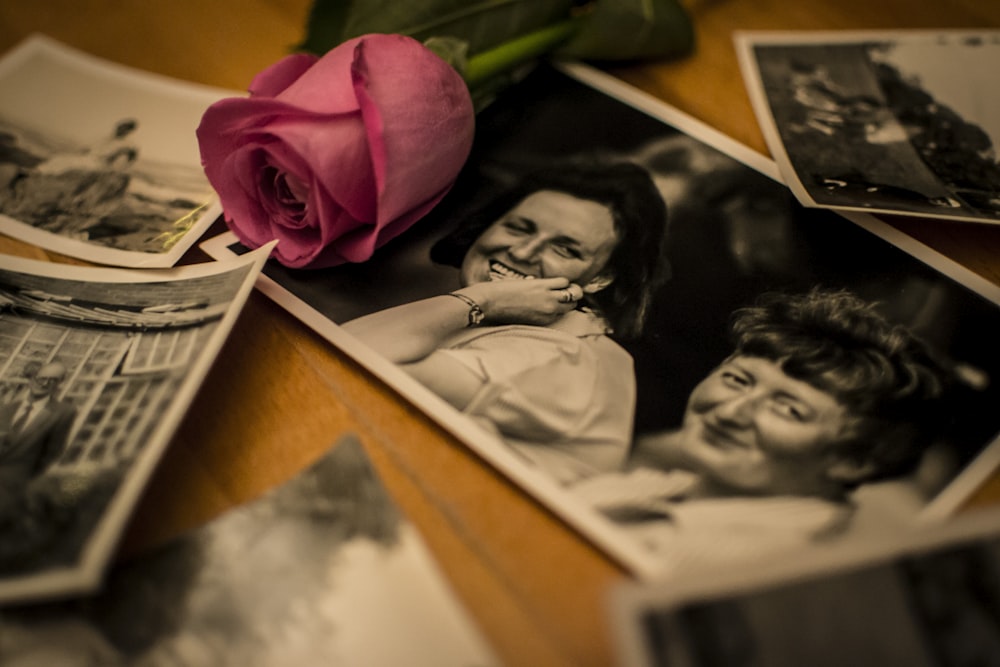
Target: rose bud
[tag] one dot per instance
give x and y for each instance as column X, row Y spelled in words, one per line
column 335, row 156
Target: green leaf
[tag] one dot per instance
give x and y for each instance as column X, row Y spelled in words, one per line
column 452, row 50
column 483, row 24
column 325, row 25
column 631, row 30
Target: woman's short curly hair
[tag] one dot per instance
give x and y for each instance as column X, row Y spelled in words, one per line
column 888, row 379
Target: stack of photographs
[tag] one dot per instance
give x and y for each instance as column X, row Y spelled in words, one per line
column 98, row 367
column 743, row 372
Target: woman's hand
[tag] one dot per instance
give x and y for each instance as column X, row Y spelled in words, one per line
column 410, row 332
column 539, row 301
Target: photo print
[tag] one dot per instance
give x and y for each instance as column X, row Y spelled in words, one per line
column 652, row 336
column 898, row 122
column 99, row 161
column 363, row 590
column 97, row 367
column 929, row 599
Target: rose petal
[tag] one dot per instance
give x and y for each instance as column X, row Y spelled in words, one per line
column 396, row 227
column 272, row 80
column 325, row 87
column 420, row 128
column 360, row 243
column 302, row 252
column 239, row 197
column 297, row 245
column 336, row 149
column 234, row 171
column 331, row 146
column 280, row 203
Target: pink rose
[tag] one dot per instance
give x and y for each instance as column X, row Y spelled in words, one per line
column 335, row 156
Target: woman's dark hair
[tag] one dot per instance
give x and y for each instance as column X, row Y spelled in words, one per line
column 888, row 379
column 640, row 215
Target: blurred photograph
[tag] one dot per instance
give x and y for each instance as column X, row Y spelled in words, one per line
column 225, row 595
column 900, row 122
column 90, row 161
column 930, row 598
column 97, row 366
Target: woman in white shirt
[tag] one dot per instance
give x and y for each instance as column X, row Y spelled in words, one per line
column 546, row 273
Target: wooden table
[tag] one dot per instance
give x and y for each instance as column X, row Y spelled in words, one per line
column 278, row 395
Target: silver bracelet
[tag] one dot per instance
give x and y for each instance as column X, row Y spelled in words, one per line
column 476, row 314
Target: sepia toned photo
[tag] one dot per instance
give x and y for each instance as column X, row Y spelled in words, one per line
column 931, row 598
column 363, row 590
column 99, row 161
column 97, row 366
column 895, row 121
column 628, row 314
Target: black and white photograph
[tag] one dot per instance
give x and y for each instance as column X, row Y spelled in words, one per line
column 630, row 315
column 363, row 590
column 99, row 161
column 893, row 121
column 97, row 366
column 931, row 598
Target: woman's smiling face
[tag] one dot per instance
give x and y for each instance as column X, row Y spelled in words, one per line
column 750, row 428
column 549, row 234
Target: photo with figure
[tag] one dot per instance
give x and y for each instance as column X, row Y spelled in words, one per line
column 898, row 121
column 628, row 314
column 99, row 161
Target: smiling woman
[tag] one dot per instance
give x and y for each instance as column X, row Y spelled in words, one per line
column 546, row 272
column 820, row 395
column 548, row 234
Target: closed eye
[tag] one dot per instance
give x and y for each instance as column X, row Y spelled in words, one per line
column 571, row 252
column 789, row 408
column 736, row 380
column 519, row 225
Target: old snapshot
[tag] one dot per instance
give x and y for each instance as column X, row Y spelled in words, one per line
column 363, row 589
column 97, row 367
column 899, row 122
column 99, row 161
column 632, row 317
column 930, row 598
